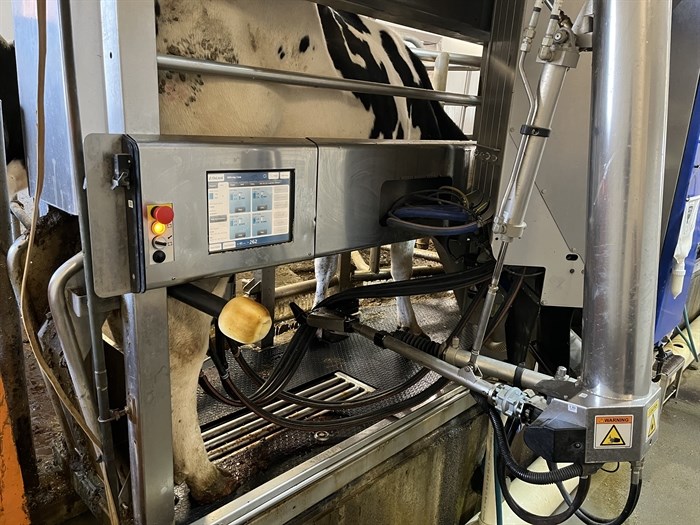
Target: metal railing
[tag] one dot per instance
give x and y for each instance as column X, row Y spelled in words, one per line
column 192, row 65
column 468, row 62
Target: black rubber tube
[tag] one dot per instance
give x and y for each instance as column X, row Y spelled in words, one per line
column 520, row 472
column 591, row 519
column 525, row 515
column 345, row 422
column 196, row 297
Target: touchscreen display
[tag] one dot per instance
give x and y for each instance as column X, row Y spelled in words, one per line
column 249, row 208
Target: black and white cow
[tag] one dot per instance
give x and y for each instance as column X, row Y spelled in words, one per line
column 294, row 35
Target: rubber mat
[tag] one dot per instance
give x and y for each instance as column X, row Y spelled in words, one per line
column 355, row 356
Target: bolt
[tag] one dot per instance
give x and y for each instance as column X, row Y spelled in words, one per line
column 572, row 270
column 322, row 436
column 577, row 445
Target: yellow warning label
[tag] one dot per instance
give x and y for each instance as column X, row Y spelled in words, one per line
column 613, row 419
column 613, row 431
column 613, row 438
column 652, row 419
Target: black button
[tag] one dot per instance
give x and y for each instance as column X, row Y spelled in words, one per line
column 158, row 256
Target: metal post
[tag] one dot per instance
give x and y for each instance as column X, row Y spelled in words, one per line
column 344, row 271
column 130, row 73
column 628, row 141
column 147, row 367
column 266, row 276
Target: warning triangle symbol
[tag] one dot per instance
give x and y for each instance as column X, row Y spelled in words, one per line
column 612, row 438
column 652, row 425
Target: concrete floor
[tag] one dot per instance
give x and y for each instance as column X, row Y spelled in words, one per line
column 671, row 474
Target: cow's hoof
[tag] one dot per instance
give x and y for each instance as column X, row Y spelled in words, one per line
column 221, row 485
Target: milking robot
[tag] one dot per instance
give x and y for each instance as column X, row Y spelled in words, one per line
column 497, row 207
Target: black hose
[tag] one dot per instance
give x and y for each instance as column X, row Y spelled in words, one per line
column 520, row 472
column 368, row 399
column 591, row 519
column 345, row 422
column 525, row 515
column 421, row 342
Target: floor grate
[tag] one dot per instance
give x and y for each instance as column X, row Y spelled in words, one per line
column 242, row 431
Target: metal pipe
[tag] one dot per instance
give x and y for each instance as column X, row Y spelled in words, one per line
column 439, row 366
column 21, row 214
column 489, row 300
column 60, row 312
column 96, row 318
column 192, row 65
column 499, row 369
column 517, row 200
column 470, row 62
column 11, row 352
column 626, row 163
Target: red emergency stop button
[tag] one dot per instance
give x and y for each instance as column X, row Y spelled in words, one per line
column 163, row 214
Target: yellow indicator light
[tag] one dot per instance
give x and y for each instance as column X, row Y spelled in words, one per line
column 158, row 228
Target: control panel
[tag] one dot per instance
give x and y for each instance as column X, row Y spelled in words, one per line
column 167, row 210
column 161, row 233
column 248, row 209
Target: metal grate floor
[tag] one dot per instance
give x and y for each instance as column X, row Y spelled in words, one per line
column 258, row 451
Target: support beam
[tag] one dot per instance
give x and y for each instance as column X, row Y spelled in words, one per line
column 628, row 141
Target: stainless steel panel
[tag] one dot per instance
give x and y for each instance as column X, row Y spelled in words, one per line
column 60, row 163
column 147, row 367
column 59, row 189
column 130, row 73
column 358, row 181
column 464, row 20
column 174, row 170
column 109, row 246
column 628, row 138
column 497, row 76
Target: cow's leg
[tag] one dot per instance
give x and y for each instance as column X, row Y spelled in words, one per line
column 325, row 268
column 402, row 269
column 189, row 339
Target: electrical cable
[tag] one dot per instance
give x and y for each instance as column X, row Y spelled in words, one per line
column 344, row 422
column 525, row 515
column 480, row 293
column 617, row 467
column 368, row 399
column 497, row 488
column 520, row 472
column 690, row 333
column 502, row 311
column 27, row 316
column 591, row 519
column 446, row 205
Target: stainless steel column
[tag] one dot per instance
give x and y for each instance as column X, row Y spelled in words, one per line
column 130, row 77
column 628, row 136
